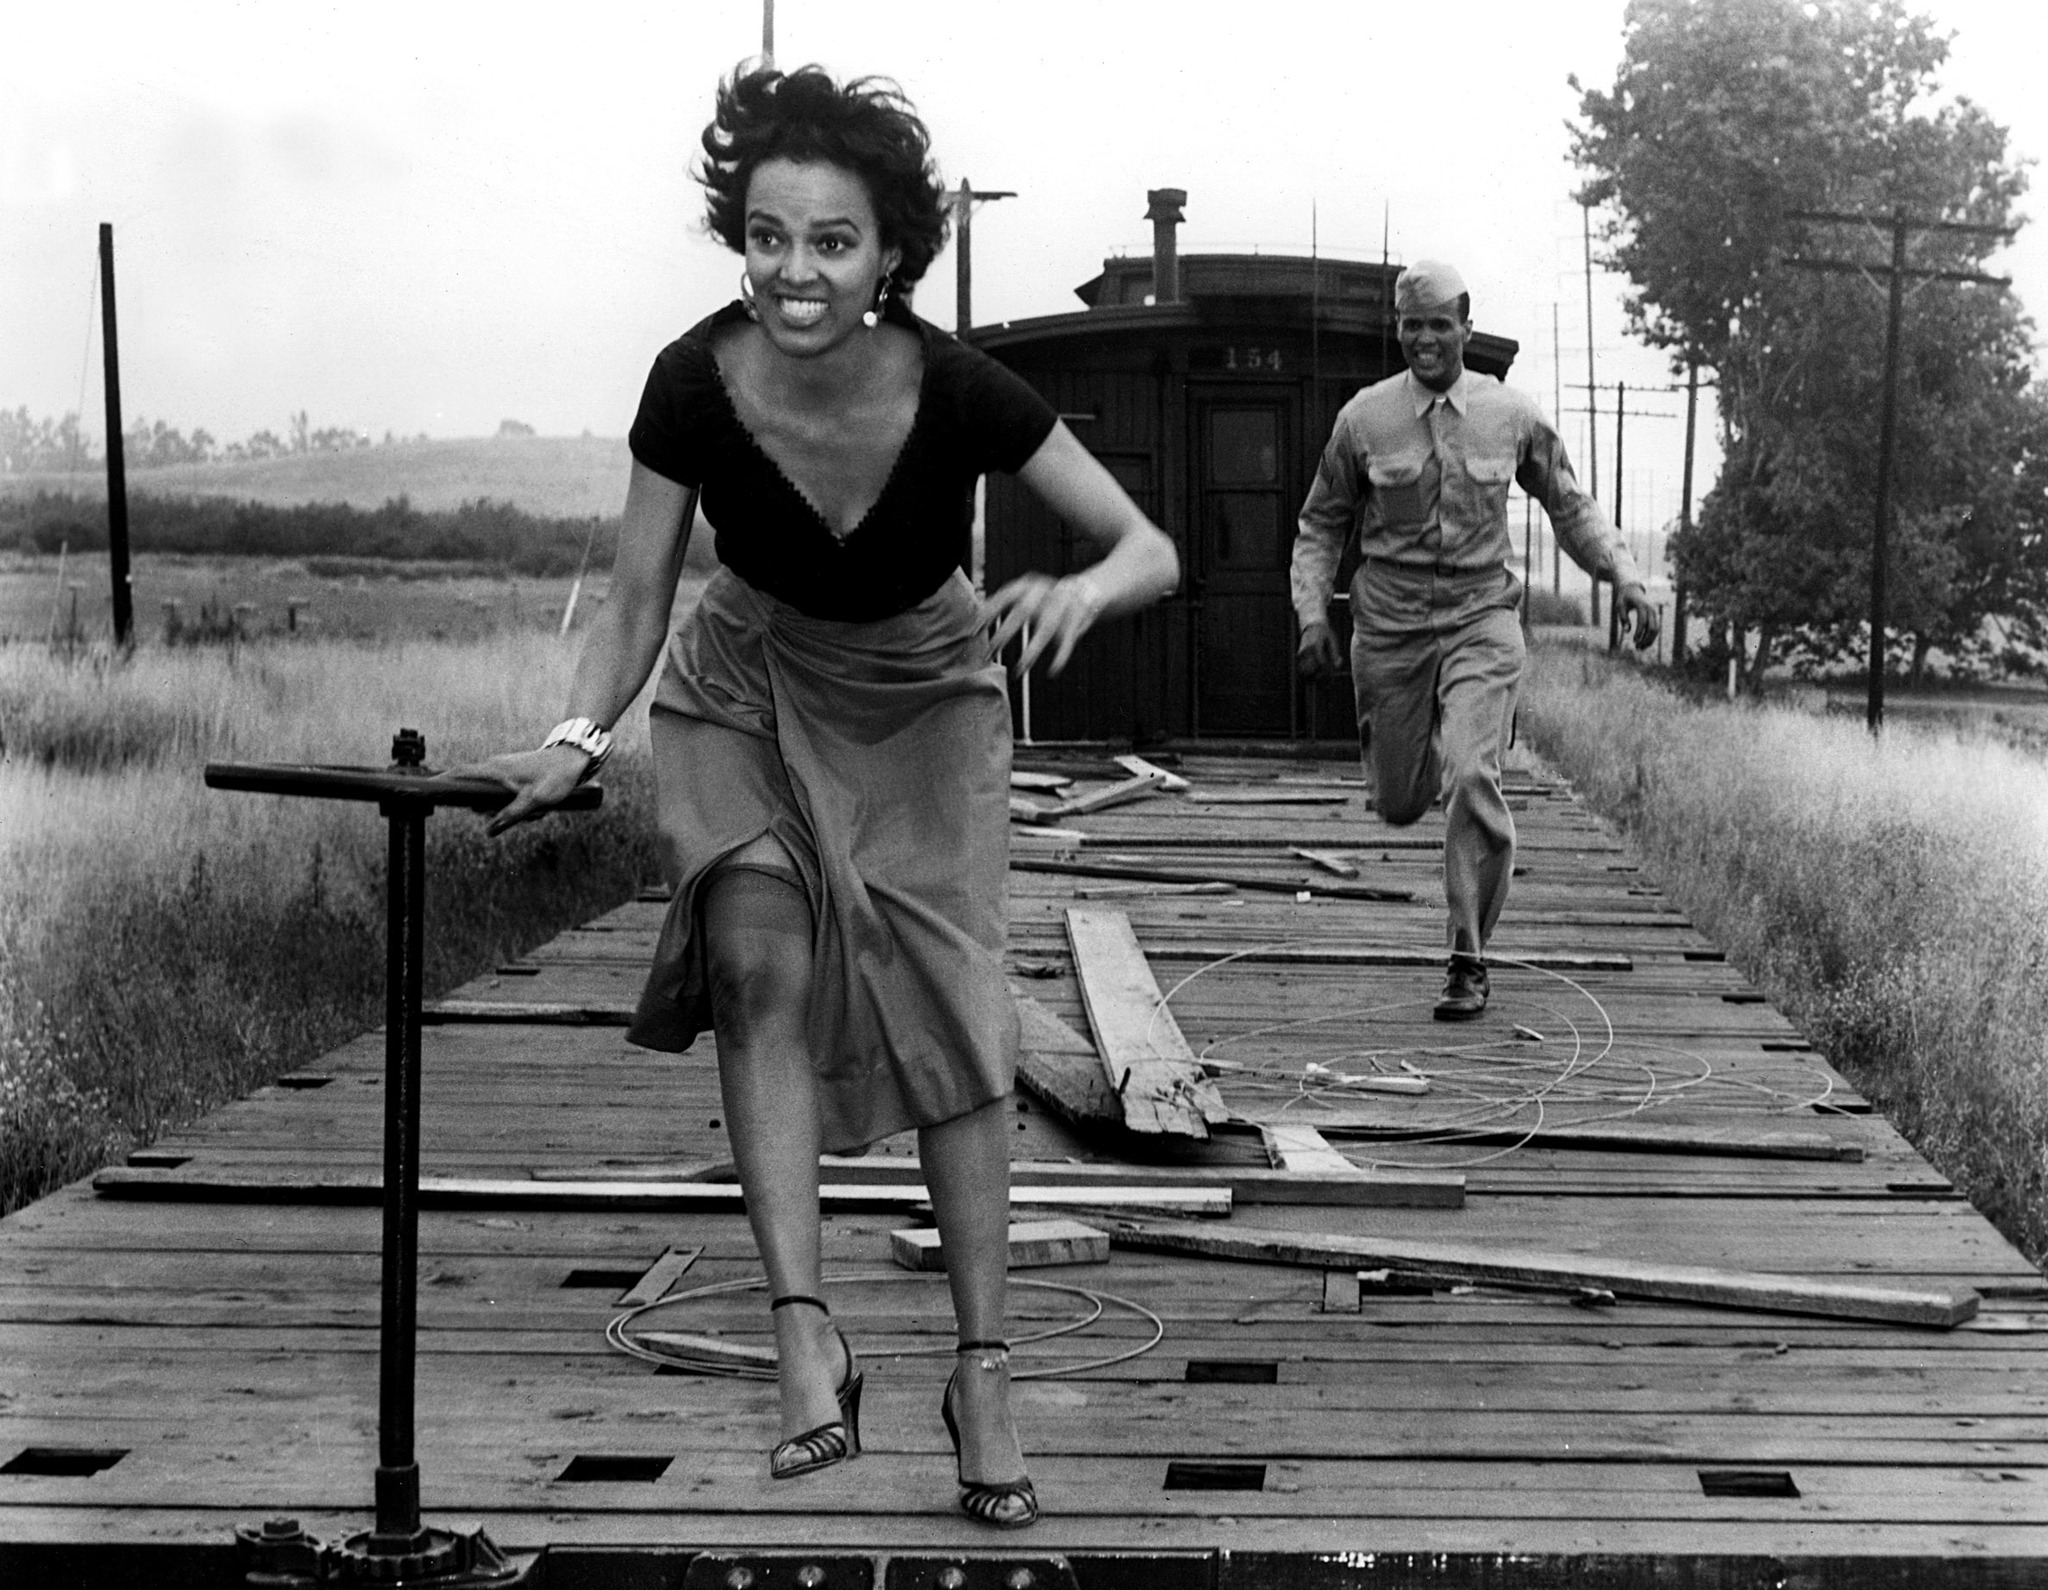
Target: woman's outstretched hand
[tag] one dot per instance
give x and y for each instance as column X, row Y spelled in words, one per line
column 1048, row 613
column 539, row 781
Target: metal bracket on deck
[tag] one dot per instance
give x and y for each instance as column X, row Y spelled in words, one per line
column 279, row 1555
column 816, row 1571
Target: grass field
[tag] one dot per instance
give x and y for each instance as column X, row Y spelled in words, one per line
column 331, row 598
column 165, row 948
column 560, row 476
column 1888, row 894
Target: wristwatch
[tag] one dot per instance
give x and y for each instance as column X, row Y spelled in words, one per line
column 587, row 737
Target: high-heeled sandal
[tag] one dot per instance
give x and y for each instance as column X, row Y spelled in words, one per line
column 837, row 1439
column 1013, row 1504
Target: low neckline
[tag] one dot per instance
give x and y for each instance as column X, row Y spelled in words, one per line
column 816, row 514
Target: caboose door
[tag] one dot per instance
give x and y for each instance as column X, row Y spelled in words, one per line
column 1246, row 496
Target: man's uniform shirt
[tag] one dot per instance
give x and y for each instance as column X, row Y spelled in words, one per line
column 1422, row 477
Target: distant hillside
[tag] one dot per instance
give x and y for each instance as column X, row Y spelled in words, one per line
column 564, row 477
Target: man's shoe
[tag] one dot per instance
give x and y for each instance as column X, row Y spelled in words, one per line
column 1465, row 990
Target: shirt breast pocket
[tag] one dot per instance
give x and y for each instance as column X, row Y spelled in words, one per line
column 1397, row 492
column 1490, row 478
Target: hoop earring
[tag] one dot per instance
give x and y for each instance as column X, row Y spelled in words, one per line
column 872, row 318
column 747, row 296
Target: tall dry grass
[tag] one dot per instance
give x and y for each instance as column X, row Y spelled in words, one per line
column 1889, row 894
column 165, row 947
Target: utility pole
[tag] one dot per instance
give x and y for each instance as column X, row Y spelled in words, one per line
column 117, row 472
column 1692, row 409
column 963, row 200
column 1592, row 393
column 1902, row 226
column 768, row 31
column 1528, row 566
column 1620, row 419
column 1557, row 418
column 1386, row 284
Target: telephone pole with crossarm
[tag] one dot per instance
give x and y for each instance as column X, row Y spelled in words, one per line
column 1901, row 226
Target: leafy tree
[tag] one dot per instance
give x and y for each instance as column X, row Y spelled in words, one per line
column 1730, row 122
column 27, row 443
column 146, row 445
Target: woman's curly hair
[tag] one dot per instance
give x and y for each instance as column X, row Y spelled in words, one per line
column 866, row 127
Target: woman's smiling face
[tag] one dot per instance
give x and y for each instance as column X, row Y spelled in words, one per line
column 815, row 258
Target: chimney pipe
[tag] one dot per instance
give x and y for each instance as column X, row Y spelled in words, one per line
column 1163, row 211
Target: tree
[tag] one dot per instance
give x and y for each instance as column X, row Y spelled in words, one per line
column 27, row 443
column 1730, row 123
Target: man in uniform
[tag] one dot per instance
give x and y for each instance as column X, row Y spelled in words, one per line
column 1418, row 466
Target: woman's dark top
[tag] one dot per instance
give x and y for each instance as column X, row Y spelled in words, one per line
column 973, row 415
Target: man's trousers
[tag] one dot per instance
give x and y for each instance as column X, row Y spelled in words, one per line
column 1436, row 657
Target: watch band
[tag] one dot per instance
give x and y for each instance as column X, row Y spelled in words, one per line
column 586, row 736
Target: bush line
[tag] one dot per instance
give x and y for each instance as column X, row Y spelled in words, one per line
column 483, row 531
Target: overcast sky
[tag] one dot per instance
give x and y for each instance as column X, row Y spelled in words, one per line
column 431, row 218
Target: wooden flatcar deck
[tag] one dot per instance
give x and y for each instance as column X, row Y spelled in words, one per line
column 214, row 1363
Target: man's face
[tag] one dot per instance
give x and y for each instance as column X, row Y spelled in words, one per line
column 1433, row 338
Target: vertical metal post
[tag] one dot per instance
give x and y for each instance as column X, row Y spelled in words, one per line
column 1613, row 606
column 117, row 471
column 1692, row 409
column 1886, row 434
column 398, row 1472
column 768, row 31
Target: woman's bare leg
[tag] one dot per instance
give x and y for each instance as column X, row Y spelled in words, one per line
column 967, row 1169
column 758, row 938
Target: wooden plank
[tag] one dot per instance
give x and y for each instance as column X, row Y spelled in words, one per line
column 1328, row 860
column 1170, row 782
column 1060, row 1068
column 1292, row 1147
column 1795, row 1294
column 1737, row 1140
column 1057, row 840
column 1047, row 1034
column 1121, row 794
column 227, row 1185
column 1162, row 1088
column 1034, row 1244
column 1240, row 880
column 1020, row 779
column 660, row 1278
column 1071, row 1086
column 1270, row 797
column 1354, row 1187
column 1161, row 947
column 1341, row 1292
column 1148, row 891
